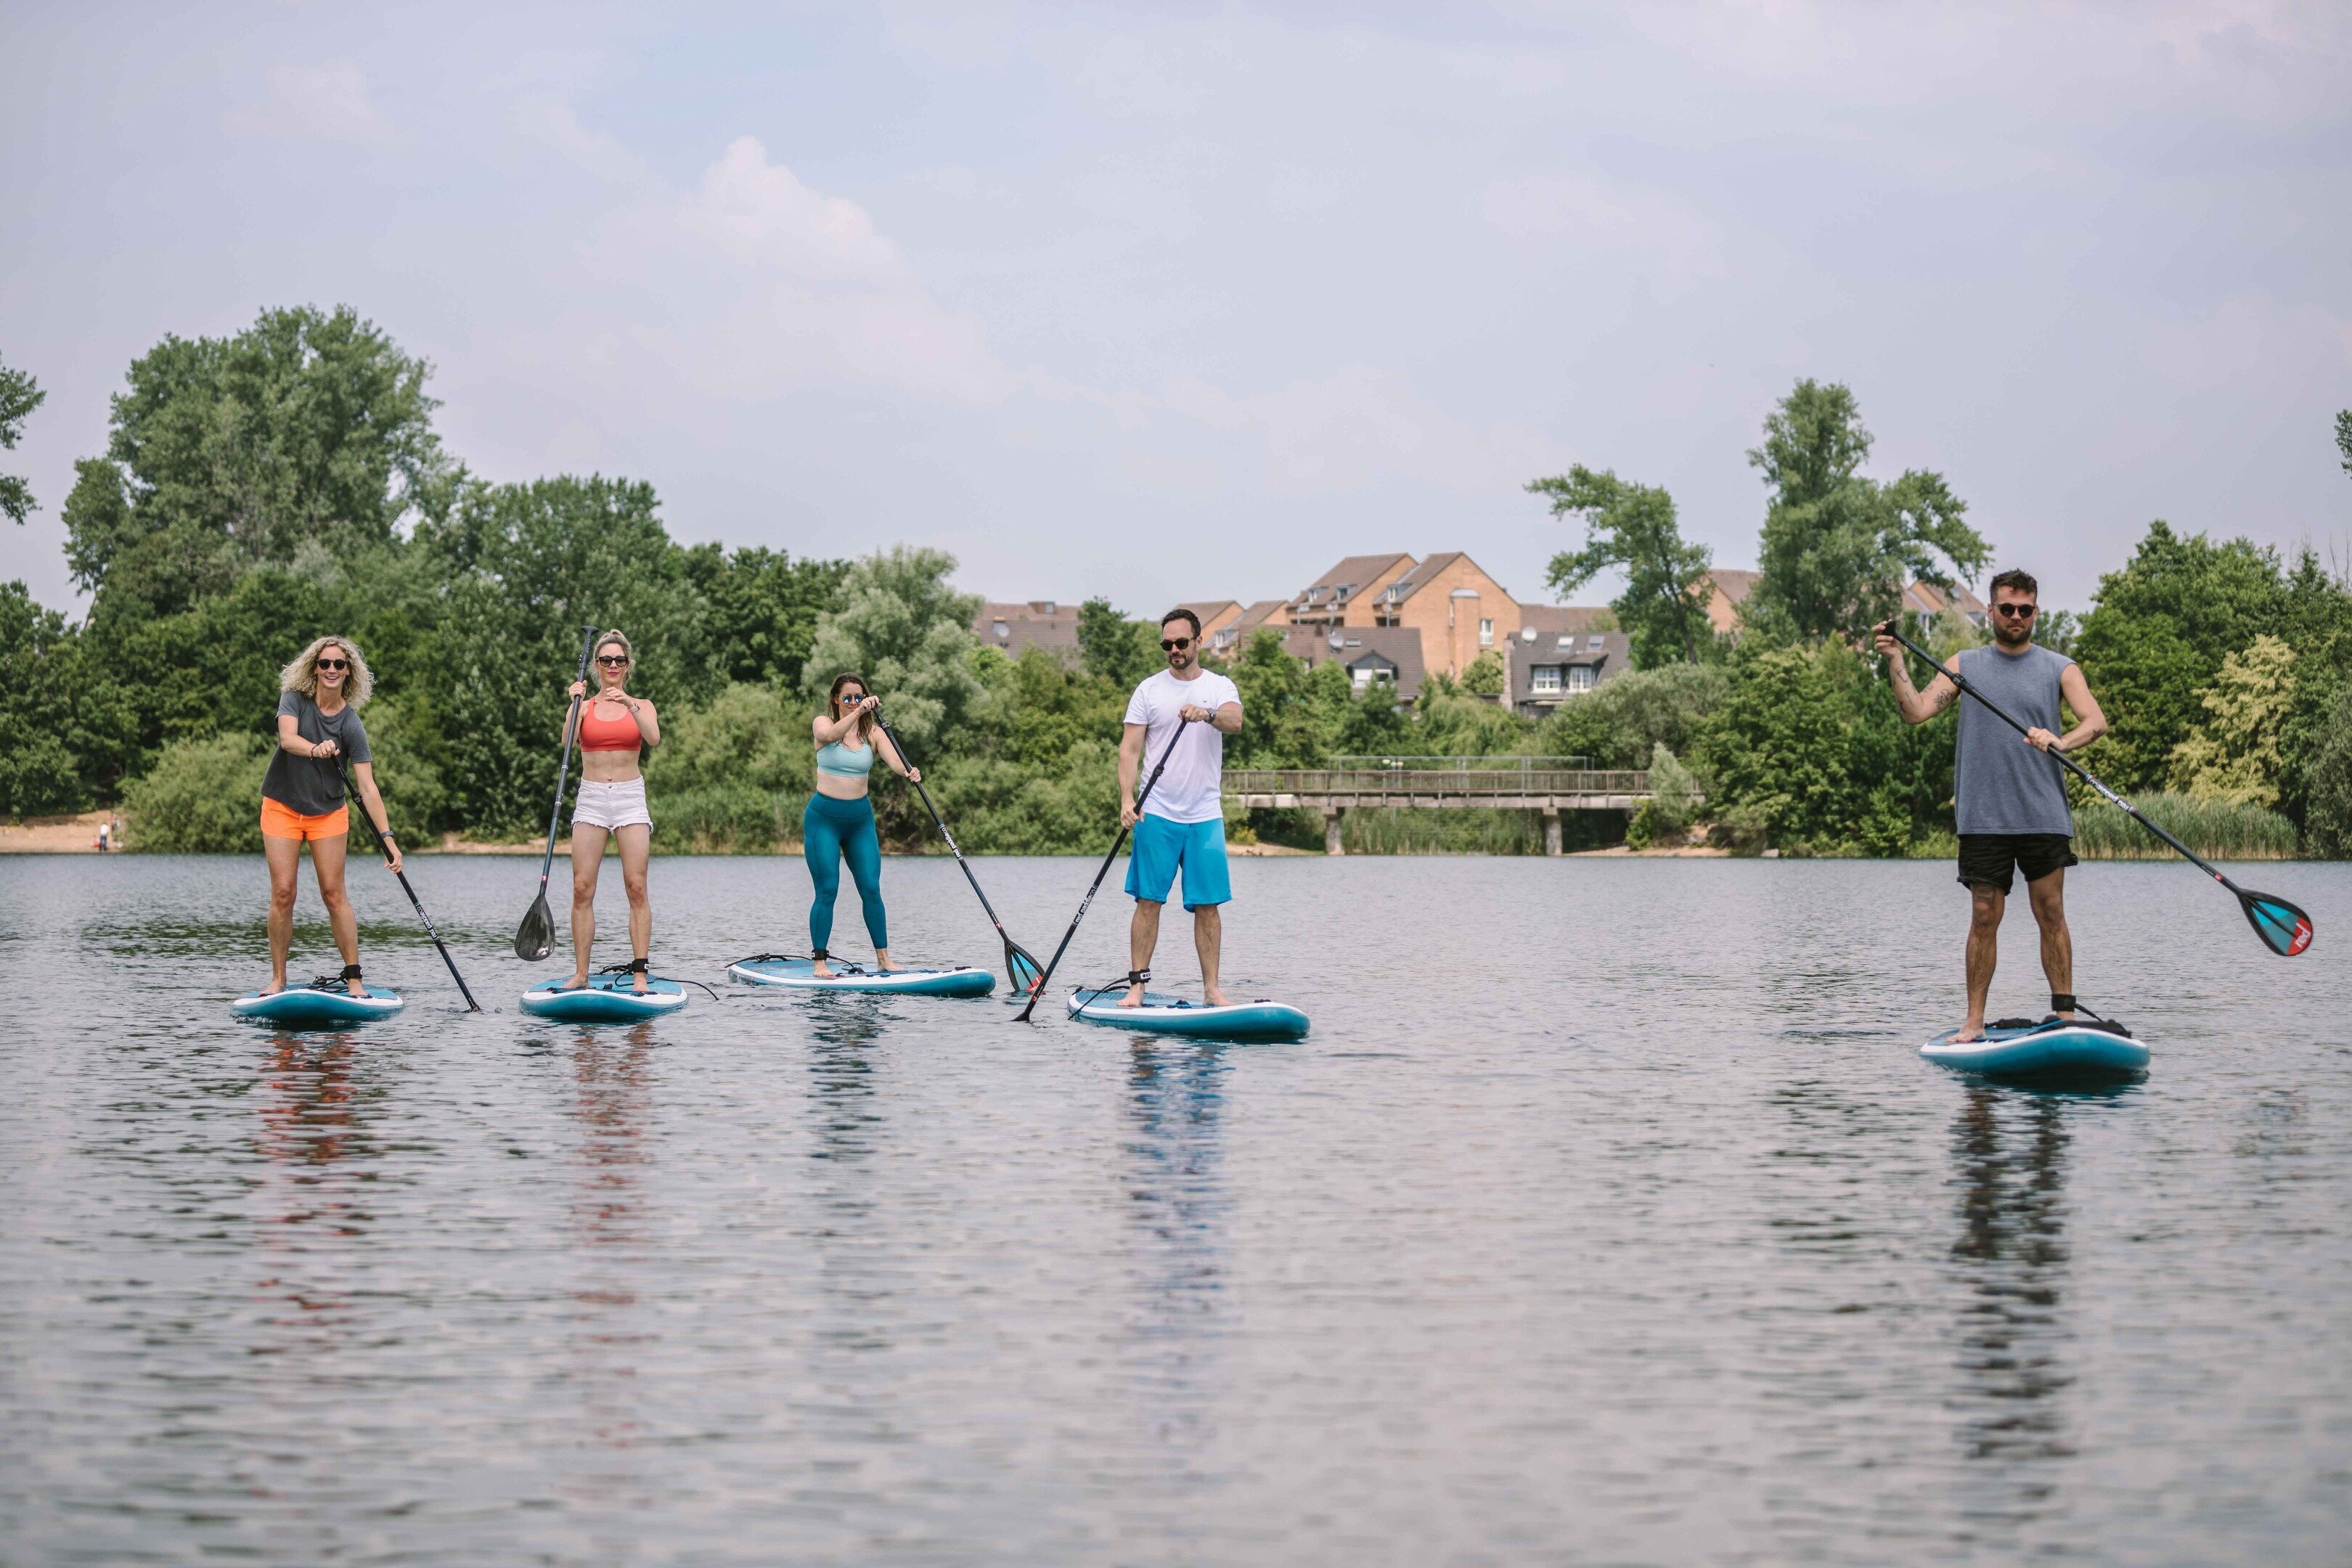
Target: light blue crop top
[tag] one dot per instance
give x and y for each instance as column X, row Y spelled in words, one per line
column 839, row 760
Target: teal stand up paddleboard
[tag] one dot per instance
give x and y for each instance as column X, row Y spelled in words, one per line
column 2020, row 1047
column 606, row 999
column 1162, row 1014
column 791, row 974
column 322, row 1002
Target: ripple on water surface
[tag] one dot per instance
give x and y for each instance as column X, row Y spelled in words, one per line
column 1606, row 1215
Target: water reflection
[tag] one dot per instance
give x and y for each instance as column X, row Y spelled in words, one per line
column 312, row 1131
column 612, row 1105
column 2010, row 1151
column 1178, row 1206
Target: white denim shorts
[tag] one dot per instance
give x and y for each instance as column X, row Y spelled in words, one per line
column 610, row 806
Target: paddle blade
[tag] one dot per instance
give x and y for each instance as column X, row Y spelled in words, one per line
column 535, row 938
column 1022, row 972
column 2284, row 928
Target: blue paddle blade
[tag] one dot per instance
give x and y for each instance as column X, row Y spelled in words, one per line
column 2284, row 928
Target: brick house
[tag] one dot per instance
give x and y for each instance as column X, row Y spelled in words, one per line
column 1559, row 657
column 1013, row 628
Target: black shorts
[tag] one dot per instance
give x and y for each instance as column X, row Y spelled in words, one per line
column 1987, row 858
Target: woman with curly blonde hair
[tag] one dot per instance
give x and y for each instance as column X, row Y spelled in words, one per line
column 302, row 799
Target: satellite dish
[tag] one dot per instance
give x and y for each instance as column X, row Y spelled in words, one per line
column 1527, row 634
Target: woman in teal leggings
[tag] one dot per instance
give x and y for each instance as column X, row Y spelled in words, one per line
column 839, row 822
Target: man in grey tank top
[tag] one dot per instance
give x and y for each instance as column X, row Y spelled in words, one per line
column 2009, row 795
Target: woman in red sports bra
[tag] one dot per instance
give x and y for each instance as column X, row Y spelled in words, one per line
column 615, row 731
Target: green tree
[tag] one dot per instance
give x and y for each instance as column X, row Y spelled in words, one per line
column 1633, row 526
column 2344, row 436
column 764, row 607
column 1807, row 739
column 2328, row 819
column 229, row 452
column 2157, row 632
column 1838, row 546
column 2233, row 755
column 19, row 396
column 39, row 773
column 1120, row 650
column 902, row 625
column 1484, row 676
column 1621, row 723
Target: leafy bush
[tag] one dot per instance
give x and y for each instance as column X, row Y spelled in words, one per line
column 1621, row 723
column 1673, row 803
column 202, row 797
column 2217, row 829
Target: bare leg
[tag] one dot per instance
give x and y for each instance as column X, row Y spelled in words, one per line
column 2048, row 897
column 285, row 857
column 1984, row 949
column 1142, row 936
column 327, row 864
column 637, row 846
column 1208, row 941
column 587, row 859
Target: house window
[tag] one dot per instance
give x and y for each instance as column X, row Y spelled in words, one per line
column 1544, row 680
column 1486, row 632
column 1001, row 630
column 1579, row 677
column 1593, row 643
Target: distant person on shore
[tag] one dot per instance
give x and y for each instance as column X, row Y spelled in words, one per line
column 2009, row 794
column 302, row 800
column 838, row 823
column 616, row 729
column 1181, row 828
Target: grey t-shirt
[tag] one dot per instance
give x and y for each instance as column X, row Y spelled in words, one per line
column 313, row 787
column 2003, row 784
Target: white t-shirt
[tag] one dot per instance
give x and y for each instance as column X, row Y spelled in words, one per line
column 1191, row 789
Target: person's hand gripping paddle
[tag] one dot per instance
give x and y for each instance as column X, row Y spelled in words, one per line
column 2284, row 928
column 1022, row 972
column 535, row 938
column 1096, row 886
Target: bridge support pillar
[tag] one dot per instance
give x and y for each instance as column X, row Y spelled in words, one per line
column 1332, row 814
column 1551, row 830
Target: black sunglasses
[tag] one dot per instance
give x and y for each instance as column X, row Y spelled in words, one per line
column 2016, row 612
column 335, row 664
column 613, row 660
column 1168, row 644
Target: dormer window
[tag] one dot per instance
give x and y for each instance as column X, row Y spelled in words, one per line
column 1592, row 644
column 1001, row 630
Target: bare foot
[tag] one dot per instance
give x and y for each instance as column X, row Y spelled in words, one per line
column 640, row 977
column 579, row 981
column 356, row 987
column 820, row 969
column 1970, row 1034
column 274, row 987
column 1134, row 997
column 1214, row 996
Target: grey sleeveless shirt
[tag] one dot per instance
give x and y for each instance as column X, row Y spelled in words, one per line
column 2002, row 785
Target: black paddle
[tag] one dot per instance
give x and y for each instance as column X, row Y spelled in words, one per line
column 1019, row 966
column 359, row 808
column 1103, row 871
column 2284, row 928
column 535, row 938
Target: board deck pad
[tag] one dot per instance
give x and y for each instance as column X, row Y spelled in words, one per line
column 318, row 1005
column 1165, row 1013
column 800, row 974
column 2052, row 1047
column 606, row 999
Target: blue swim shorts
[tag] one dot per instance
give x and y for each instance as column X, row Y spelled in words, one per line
column 1163, row 847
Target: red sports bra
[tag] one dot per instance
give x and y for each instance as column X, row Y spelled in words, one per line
column 608, row 734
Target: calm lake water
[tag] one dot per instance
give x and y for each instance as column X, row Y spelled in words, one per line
column 1607, row 1215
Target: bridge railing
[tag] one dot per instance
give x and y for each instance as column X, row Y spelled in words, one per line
column 1436, row 784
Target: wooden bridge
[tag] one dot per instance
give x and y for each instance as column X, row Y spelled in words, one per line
column 1494, row 784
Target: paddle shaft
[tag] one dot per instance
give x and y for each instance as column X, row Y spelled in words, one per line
column 563, row 773
column 2069, row 764
column 414, row 902
column 1104, row 870
column 941, row 822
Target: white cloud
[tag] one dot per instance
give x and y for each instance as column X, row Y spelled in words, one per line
column 326, row 103
column 764, row 217
column 550, row 123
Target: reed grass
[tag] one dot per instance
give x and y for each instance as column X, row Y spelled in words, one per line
column 2215, row 829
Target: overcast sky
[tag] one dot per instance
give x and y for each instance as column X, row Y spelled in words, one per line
column 1186, row 302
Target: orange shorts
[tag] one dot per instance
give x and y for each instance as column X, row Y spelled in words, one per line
column 281, row 821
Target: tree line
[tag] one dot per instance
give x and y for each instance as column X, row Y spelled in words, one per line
column 259, row 489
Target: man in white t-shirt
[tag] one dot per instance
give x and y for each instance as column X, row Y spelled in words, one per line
column 1182, row 827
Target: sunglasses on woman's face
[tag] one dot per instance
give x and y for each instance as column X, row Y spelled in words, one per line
column 613, row 660
column 849, row 697
column 335, row 664
column 2016, row 612
column 1170, row 644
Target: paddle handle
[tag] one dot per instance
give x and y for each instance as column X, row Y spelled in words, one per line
column 414, row 903
column 2069, row 764
column 563, row 771
column 1103, row 871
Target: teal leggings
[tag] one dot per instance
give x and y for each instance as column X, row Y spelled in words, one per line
column 833, row 831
